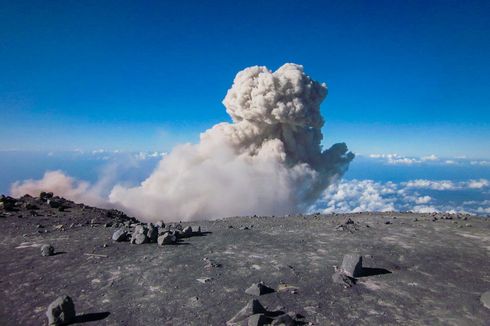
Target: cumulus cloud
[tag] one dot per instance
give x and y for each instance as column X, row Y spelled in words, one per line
column 368, row 195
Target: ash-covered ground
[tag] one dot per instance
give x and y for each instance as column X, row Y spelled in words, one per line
column 418, row 269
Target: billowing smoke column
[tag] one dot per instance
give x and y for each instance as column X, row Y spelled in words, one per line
column 269, row 161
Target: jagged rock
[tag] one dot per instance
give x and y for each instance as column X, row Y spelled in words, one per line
column 47, row 250
column 140, row 229
column 204, row 280
column 253, row 307
column 7, row 203
column 258, row 289
column 120, row 235
column 139, row 238
column 258, row 320
column 44, row 196
column 166, row 239
column 284, row 320
column 352, row 265
column 160, row 224
column 53, row 203
column 61, row 311
column 179, row 227
column 152, row 233
column 187, row 231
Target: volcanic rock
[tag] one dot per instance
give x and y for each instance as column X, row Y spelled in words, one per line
column 166, row 239
column 187, row 231
column 120, row 235
column 485, row 299
column 139, row 238
column 258, row 320
column 61, row 311
column 140, row 229
column 152, row 233
column 342, row 279
column 47, row 250
column 283, row 320
column 352, row 265
column 258, row 289
column 253, row 307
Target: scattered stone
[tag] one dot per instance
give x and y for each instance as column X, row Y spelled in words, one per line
column 166, row 239
column 47, row 250
column 253, row 307
column 388, row 222
column 211, row 263
column 485, row 299
column 108, row 225
column 258, row 289
column 204, row 280
column 352, row 265
column 120, row 235
column 61, row 311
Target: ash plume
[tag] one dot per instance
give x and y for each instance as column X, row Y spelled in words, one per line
column 268, row 161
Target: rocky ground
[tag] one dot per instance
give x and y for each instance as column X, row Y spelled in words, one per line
column 418, row 269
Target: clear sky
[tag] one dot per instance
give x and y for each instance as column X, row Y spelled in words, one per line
column 407, row 77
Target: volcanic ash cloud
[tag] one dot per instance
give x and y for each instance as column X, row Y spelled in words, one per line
column 268, row 161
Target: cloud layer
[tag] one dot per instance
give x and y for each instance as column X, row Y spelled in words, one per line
column 368, row 195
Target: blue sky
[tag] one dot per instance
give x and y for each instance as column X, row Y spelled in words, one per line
column 407, row 77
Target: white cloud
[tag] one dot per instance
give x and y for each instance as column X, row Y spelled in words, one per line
column 423, row 199
column 482, row 163
column 431, row 157
column 478, row 184
column 431, row 184
column 368, row 195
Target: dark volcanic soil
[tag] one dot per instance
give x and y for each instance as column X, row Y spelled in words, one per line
column 439, row 266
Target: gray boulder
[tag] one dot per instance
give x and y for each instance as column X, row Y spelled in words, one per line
column 187, row 231
column 61, row 311
column 120, row 235
column 166, row 239
column 139, row 238
column 140, row 229
column 352, row 265
column 152, row 233
column 47, row 250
